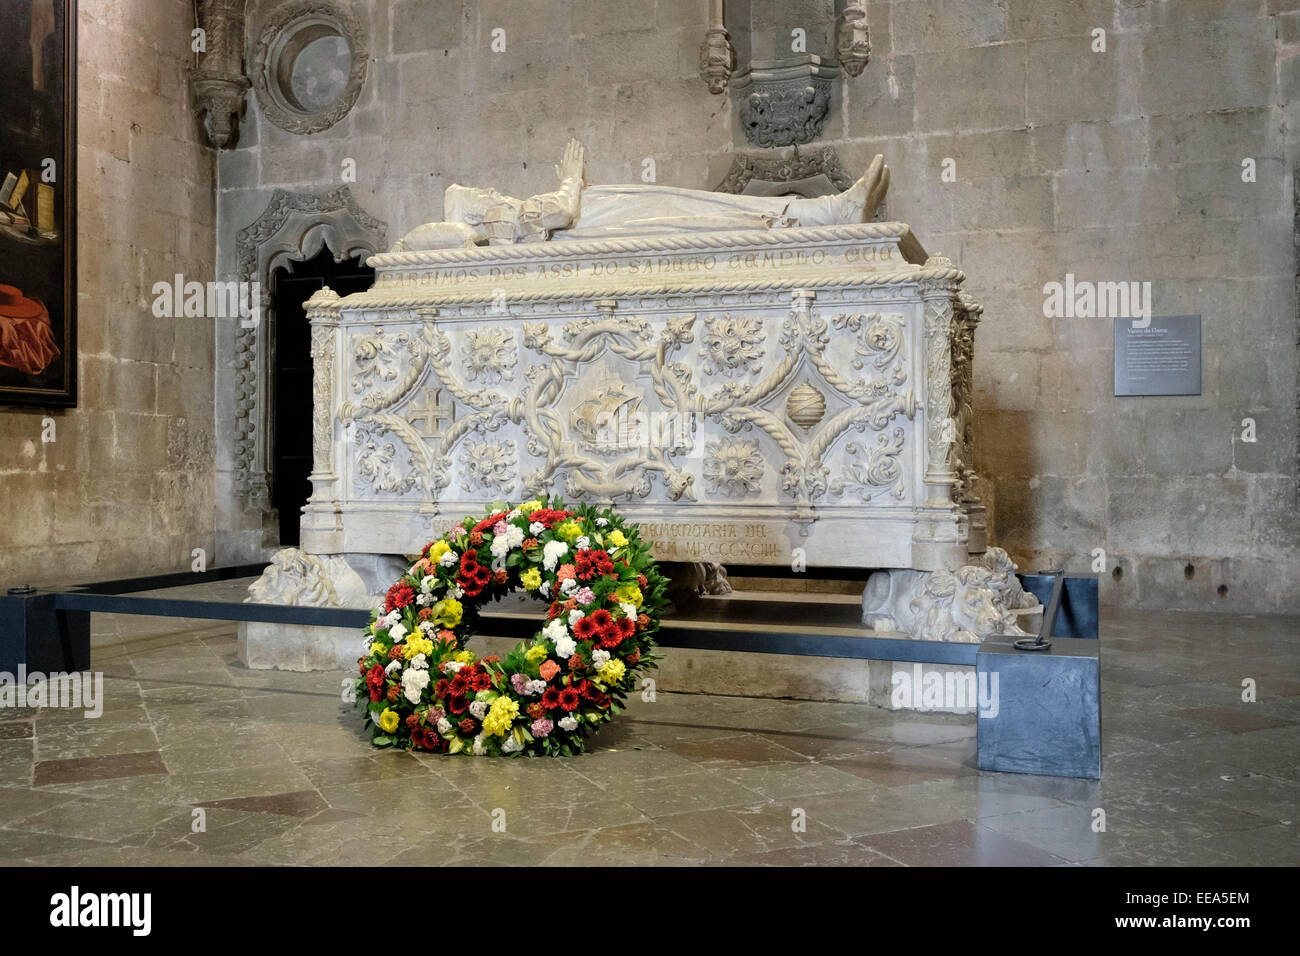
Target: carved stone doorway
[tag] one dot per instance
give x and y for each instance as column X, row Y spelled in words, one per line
column 294, row 229
column 291, row 378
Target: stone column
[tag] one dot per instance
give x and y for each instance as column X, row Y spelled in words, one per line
column 322, row 524
column 941, row 534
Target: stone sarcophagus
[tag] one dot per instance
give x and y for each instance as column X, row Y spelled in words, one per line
column 765, row 396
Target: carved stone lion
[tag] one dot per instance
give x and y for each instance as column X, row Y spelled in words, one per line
column 968, row 605
column 315, row 580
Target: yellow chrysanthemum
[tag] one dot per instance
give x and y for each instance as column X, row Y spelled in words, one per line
column 447, row 612
column 388, row 721
column 438, row 550
column 569, row 530
column 536, row 652
column 630, row 594
column 617, row 538
column 379, row 649
column 463, row 657
column 531, row 579
column 611, row 672
column 501, row 716
column 418, row 645
column 528, row 507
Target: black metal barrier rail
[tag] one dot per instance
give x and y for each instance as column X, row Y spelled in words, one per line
column 115, row 597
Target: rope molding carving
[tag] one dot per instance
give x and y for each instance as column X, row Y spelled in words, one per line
column 740, row 239
column 381, row 299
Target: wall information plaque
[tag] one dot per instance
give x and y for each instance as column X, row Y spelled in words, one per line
column 1161, row 358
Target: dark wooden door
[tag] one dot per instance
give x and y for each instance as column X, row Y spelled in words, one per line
column 291, row 396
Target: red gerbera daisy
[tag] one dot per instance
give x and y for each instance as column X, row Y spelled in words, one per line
column 399, row 596
column 551, row 698
column 457, row 704
column 375, row 682
column 569, row 699
column 585, row 629
column 440, row 688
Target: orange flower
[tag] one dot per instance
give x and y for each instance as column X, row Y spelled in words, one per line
column 501, row 575
column 549, row 669
column 446, row 635
column 530, row 543
column 476, row 537
column 425, row 613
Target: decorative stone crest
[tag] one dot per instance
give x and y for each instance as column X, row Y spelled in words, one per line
column 786, row 102
column 818, row 173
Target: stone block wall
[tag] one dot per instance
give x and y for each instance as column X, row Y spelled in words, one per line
column 1116, row 165
column 127, row 487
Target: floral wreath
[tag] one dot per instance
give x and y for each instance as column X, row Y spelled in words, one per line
column 421, row 689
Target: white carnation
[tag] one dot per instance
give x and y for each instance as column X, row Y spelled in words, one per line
column 583, row 543
column 536, row 528
column 629, row 610
column 575, row 616
column 391, row 618
column 393, row 665
column 569, row 723
column 448, row 559
column 478, row 709
column 568, row 586
column 552, row 552
column 514, row 513
column 503, row 543
column 420, row 662
column 452, row 667
column 444, row 726
column 397, row 632
column 414, row 681
column 555, row 630
column 565, row 646
column 545, row 589
column 599, row 658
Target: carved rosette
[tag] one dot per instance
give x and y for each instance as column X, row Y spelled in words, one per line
column 732, row 345
column 733, row 467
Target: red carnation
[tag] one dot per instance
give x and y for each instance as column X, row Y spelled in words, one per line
column 393, row 693
column 412, row 721
column 440, row 688
column 375, row 681
column 489, row 521
column 425, row 614
column 549, row 517
column 576, row 662
column 551, row 698
column 569, row 699
column 641, row 581
column 399, row 596
column 634, row 657
column 530, row 543
column 601, row 700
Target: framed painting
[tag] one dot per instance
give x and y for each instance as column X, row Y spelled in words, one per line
column 38, row 202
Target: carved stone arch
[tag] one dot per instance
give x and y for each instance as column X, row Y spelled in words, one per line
column 294, row 227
